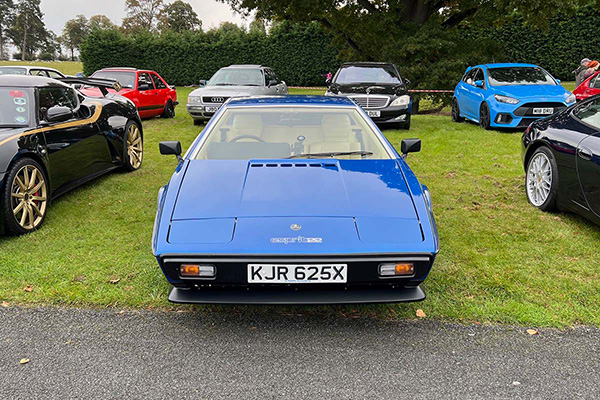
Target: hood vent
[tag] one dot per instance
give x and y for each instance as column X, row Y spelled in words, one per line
column 294, row 165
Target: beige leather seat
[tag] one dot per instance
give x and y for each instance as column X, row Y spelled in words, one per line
column 246, row 124
column 337, row 136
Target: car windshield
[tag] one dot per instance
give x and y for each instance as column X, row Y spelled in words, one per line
column 237, row 77
column 12, row 71
column 15, row 107
column 126, row 79
column 291, row 132
column 385, row 74
column 519, row 76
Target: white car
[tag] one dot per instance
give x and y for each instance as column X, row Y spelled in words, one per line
column 31, row 70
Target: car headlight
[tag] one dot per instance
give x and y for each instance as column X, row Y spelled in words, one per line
column 570, row 99
column 194, row 99
column 401, row 101
column 506, row 99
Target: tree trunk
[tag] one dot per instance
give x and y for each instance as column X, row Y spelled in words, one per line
column 24, row 48
column 1, row 43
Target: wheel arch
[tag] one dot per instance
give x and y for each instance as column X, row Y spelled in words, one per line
column 532, row 149
column 34, row 156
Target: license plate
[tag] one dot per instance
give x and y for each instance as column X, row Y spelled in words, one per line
column 543, row 111
column 277, row 273
column 212, row 109
column 374, row 114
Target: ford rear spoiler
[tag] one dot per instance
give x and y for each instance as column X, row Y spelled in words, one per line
column 102, row 84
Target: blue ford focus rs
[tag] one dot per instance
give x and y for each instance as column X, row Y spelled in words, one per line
column 508, row 95
column 294, row 200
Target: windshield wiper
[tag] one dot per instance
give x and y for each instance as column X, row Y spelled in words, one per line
column 333, row 154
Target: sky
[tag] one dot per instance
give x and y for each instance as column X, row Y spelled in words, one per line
column 57, row 12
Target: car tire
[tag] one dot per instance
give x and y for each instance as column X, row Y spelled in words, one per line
column 456, row 112
column 133, row 152
column 169, row 111
column 484, row 116
column 541, row 180
column 26, row 190
column 198, row 122
column 406, row 125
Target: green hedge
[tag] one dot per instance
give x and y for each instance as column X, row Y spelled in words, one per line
column 299, row 54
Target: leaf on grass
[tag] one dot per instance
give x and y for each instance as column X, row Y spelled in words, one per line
column 533, row 331
column 28, row 288
column 421, row 314
column 114, row 281
column 68, row 342
column 79, row 278
column 24, row 361
column 4, row 304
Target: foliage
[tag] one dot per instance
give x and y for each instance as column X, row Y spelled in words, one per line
column 7, row 10
column 100, row 21
column 28, row 32
column 178, row 17
column 74, row 33
column 141, row 15
column 299, row 54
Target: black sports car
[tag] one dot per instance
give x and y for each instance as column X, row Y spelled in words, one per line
column 53, row 138
column 561, row 155
column 376, row 87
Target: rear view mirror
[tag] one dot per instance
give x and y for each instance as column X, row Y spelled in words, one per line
column 479, row 84
column 410, row 146
column 59, row 114
column 171, row 148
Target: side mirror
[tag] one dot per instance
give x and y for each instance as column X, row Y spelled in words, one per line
column 558, row 81
column 406, row 82
column 171, row 148
column 202, row 82
column 410, row 146
column 479, row 83
column 144, row 86
column 273, row 82
column 59, row 114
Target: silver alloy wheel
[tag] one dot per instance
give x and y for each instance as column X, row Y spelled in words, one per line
column 539, row 179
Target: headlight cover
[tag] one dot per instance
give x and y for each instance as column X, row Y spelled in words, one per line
column 401, row 101
column 194, row 99
column 506, row 99
column 570, row 99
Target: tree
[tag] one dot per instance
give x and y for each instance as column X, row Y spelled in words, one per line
column 74, row 33
column 423, row 37
column 7, row 11
column 28, row 31
column 258, row 25
column 178, row 17
column 141, row 15
column 100, row 22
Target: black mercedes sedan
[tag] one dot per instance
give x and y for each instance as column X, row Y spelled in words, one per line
column 561, row 156
column 53, row 138
column 376, row 87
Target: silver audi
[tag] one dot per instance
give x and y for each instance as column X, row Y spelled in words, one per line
column 232, row 81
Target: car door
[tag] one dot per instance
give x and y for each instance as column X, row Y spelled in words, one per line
column 588, row 169
column 148, row 98
column 473, row 95
column 162, row 91
column 76, row 148
column 593, row 87
column 463, row 96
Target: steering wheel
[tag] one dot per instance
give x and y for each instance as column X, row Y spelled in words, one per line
column 235, row 139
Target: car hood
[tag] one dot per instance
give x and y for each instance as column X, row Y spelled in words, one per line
column 534, row 92
column 353, row 200
column 228, row 91
column 376, row 88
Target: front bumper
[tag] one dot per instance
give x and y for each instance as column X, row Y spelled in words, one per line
column 291, row 296
column 198, row 112
column 392, row 115
column 505, row 115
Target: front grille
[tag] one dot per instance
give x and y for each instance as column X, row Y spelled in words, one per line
column 526, row 110
column 371, row 101
column 524, row 123
column 214, row 99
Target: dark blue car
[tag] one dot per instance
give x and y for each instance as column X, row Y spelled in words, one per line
column 294, row 200
column 508, row 95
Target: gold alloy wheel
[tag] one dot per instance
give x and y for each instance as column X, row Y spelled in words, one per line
column 29, row 197
column 135, row 151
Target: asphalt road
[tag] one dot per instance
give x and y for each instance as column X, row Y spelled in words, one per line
column 87, row 354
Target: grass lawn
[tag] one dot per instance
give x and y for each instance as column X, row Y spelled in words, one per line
column 501, row 259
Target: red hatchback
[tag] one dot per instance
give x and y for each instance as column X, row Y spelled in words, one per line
column 150, row 93
column 588, row 88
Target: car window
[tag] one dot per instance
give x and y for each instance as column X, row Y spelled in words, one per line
column 56, row 97
column 54, row 74
column 15, row 107
column 126, row 79
column 12, row 71
column 506, row 76
column 144, row 81
column 385, row 74
column 281, row 132
column 38, row 72
column 468, row 78
column 589, row 113
column 595, row 82
column 237, row 77
column 158, row 82
column 270, row 76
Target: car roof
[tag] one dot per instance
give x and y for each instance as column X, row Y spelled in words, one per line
column 28, row 81
column 366, row 63
column 123, row 69
column 246, row 66
column 298, row 100
column 505, row 65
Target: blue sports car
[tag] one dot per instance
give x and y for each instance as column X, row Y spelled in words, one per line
column 508, row 95
column 294, row 200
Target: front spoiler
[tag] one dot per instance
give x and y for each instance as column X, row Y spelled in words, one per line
column 291, row 296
